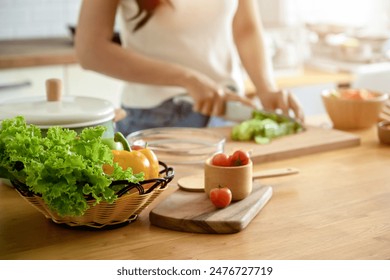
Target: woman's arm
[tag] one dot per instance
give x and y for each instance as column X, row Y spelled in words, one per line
column 97, row 52
column 249, row 37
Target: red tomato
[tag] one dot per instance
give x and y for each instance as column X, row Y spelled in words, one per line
column 220, row 159
column 221, row 197
column 137, row 147
column 238, row 158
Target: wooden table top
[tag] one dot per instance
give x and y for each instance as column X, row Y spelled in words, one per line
column 337, row 207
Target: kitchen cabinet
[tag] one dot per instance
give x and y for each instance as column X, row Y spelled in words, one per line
column 28, row 81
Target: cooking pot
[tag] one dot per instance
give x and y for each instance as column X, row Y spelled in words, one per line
column 73, row 112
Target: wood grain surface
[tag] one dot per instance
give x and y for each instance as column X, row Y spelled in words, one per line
column 336, row 208
column 194, row 212
column 312, row 140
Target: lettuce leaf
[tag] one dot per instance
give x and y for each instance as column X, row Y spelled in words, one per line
column 64, row 167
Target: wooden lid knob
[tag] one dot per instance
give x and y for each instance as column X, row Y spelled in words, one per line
column 53, row 89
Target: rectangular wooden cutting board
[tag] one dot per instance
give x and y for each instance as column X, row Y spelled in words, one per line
column 312, row 140
column 194, row 212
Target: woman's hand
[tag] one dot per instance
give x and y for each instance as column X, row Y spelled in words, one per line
column 282, row 100
column 209, row 97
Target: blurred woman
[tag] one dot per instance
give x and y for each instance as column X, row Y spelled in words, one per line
column 181, row 60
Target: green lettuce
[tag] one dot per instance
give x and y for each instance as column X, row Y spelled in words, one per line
column 64, row 167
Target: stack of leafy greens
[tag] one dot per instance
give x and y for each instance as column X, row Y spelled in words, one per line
column 63, row 167
column 265, row 126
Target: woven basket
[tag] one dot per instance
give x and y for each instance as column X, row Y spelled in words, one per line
column 132, row 199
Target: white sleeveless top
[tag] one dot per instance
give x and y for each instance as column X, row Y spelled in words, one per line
column 196, row 34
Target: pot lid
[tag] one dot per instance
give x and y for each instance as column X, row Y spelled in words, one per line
column 67, row 111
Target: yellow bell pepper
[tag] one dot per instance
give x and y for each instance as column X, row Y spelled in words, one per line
column 153, row 160
column 135, row 160
column 138, row 158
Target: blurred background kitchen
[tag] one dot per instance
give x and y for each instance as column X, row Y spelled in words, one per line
column 314, row 44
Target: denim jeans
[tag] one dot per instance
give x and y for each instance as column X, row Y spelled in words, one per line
column 171, row 113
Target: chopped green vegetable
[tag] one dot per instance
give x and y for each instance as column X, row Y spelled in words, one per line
column 262, row 140
column 265, row 126
column 64, row 167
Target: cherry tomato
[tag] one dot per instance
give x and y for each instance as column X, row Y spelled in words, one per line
column 221, row 197
column 238, row 158
column 220, row 159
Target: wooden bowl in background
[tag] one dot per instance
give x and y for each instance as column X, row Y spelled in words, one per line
column 353, row 113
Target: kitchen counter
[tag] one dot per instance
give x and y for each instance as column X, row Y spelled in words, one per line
column 40, row 52
column 36, row 52
column 337, row 207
